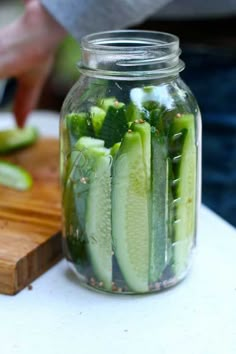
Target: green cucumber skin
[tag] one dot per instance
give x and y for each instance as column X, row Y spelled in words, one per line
column 75, row 242
column 133, row 113
column 144, row 129
column 14, row 139
column 161, row 228
column 160, row 207
column 115, row 126
column 75, row 193
column 130, row 216
column 114, row 150
column 78, row 125
column 91, row 178
column 98, row 222
column 106, row 103
column 97, row 118
column 184, row 170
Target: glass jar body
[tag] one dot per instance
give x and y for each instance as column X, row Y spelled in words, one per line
column 130, row 167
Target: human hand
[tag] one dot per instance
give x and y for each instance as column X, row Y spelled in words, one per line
column 27, row 49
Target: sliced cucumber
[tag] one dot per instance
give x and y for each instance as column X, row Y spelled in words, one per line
column 91, row 179
column 160, row 186
column 114, row 150
column 133, row 113
column 184, row 169
column 160, row 242
column 157, row 120
column 106, row 103
column 78, row 125
column 97, row 118
column 144, row 129
column 15, row 177
column 13, row 139
column 75, row 191
column 86, row 141
column 130, row 219
column 98, row 217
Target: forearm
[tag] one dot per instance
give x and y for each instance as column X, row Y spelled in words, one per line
column 80, row 17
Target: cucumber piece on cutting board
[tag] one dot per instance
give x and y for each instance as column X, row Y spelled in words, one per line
column 15, row 177
column 13, row 139
column 130, row 217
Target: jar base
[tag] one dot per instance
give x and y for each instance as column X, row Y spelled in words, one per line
column 157, row 287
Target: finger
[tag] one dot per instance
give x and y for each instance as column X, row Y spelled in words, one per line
column 25, row 101
column 28, row 94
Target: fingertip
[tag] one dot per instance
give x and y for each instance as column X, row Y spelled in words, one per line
column 20, row 115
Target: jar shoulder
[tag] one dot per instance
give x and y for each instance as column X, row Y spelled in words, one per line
column 170, row 94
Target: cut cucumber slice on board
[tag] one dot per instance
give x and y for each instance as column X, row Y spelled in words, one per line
column 91, row 179
column 184, row 169
column 130, row 219
column 15, row 177
column 13, row 139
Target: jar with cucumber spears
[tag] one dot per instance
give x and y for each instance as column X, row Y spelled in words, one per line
column 130, row 161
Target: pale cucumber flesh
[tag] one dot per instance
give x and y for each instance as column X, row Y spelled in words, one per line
column 13, row 139
column 159, row 211
column 185, row 190
column 91, row 179
column 14, row 176
column 130, row 219
column 98, row 220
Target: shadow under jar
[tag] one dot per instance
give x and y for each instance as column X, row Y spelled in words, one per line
column 130, row 164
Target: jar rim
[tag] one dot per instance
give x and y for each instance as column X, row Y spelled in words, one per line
column 130, row 54
column 107, row 40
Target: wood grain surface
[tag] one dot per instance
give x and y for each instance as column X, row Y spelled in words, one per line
column 30, row 221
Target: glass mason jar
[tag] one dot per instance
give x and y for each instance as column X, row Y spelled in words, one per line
column 130, row 161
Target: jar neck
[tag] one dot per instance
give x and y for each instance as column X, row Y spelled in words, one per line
column 131, row 55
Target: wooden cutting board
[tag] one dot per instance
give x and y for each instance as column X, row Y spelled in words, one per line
column 30, row 241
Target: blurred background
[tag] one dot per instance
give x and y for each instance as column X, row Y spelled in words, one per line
column 209, row 51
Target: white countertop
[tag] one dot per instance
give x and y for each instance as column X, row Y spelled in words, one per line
column 198, row 316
